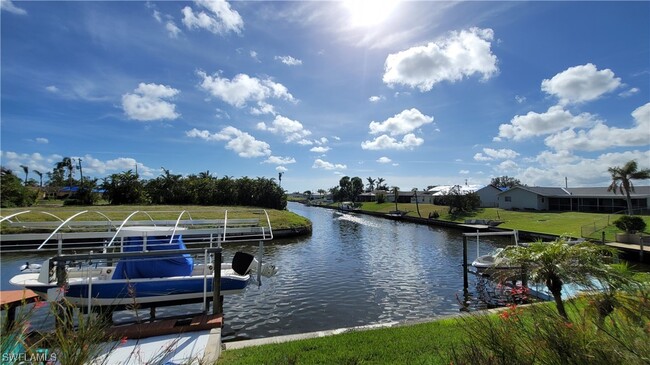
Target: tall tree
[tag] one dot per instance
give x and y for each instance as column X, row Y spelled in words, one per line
column 280, row 178
column 66, row 164
column 396, row 195
column 417, row 205
column 371, row 183
column 356, row 188
column 622, row 180
column 26, row 170
column 505, row 182
column 40, row 175
column 380, row 180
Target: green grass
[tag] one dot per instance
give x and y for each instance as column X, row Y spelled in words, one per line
column 424, row 343
column 280, row 219
column 507, row 337
column 556, row 223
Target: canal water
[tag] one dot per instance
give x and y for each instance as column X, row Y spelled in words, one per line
column 353, row 270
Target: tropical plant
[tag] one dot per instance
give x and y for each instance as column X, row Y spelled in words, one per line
column 40, row 175
column 556, row 263
column 417, row 206
column 622, row 180
column 13, row 192
column 26, row 170
column 381, row 186
column 630, row 224
column 124, row 188
column 356, row 188
column 66, row 164
column 371, row 183
column 396, row 196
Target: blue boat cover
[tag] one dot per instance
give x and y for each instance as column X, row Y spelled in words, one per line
column 154, row 267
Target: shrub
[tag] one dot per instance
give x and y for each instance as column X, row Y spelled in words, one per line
column 381, row 198
column 630, row 224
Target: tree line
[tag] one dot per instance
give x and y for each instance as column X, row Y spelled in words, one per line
column 128, row 188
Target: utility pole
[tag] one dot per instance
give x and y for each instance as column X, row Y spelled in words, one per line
column 81, row 173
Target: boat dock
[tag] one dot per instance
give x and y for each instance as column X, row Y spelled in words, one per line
column 642, row 251
column 92, row 283
column 12, row 299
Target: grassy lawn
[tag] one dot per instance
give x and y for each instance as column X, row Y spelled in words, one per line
column 425, row 343
column 280, row 219
column 557, row 223
column 515, row 335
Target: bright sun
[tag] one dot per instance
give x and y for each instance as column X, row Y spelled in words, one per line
column 365, row 13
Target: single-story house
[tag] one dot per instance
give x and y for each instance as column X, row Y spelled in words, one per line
column 489, row 195
column 595, row 200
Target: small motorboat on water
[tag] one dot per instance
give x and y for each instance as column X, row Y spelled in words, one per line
column 347, row 207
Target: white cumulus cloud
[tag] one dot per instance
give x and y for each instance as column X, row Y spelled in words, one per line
column 240, row 142
column 277, row 160
column 490, row 154
column 601, row 136
column 536, row 124
column 320, row 149
column 402, row 123
column 292, row 130
column 242, row 89
column 320, row 164
column 384, row 159
column 459, row 55
column 219, row 17
column 385, row 142
column 147, row 102
column 581, row 83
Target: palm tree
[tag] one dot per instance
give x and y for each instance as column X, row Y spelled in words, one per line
column 40, row 175
column 66, row 163
column 557, row 263
column 371, row 184
column 379, row 181
column 396, row 195
column 26, row 169
column 621, row 180
column 417, row 205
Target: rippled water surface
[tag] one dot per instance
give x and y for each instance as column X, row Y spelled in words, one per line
column 353, row 270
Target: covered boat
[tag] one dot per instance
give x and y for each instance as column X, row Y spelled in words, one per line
column 149, row 263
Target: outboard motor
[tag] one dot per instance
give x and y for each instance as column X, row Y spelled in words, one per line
column 244, row 263
column 30, row 267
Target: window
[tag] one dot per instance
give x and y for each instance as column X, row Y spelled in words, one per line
column 508, row 199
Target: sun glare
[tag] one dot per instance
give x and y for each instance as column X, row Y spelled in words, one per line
column 365, row 13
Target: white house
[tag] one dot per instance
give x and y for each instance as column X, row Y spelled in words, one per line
column 596, row 199
column 489, row 195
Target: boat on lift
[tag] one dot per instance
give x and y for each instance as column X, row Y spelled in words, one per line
column 153, row 264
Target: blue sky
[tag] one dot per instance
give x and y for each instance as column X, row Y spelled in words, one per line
column 418, row 93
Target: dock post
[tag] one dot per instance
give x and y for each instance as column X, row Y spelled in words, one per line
column 217, row 305
column 465, row 273
column 64, row 316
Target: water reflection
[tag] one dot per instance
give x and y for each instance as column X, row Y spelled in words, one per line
column 353, row 270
